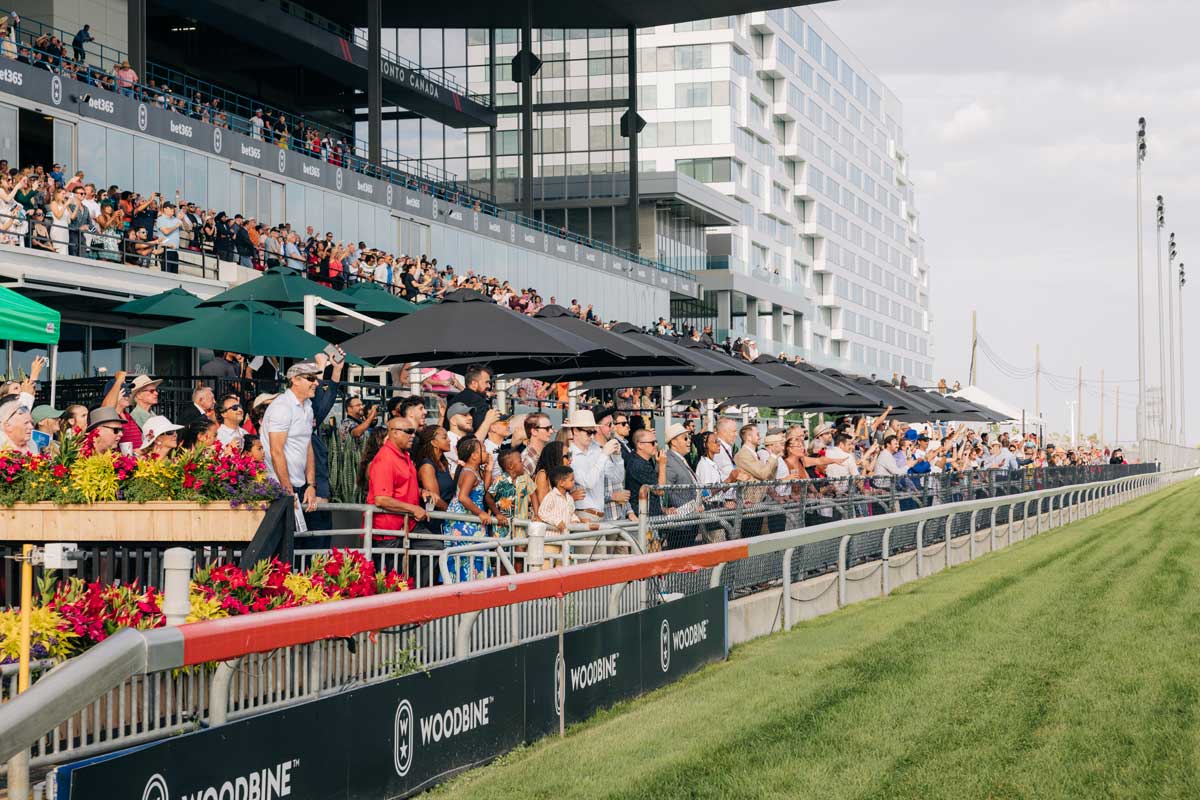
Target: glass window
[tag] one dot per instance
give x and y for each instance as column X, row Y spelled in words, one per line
column 218, row 185
column 170, row 170
column 106, row 350
column 195, row 179
column 145, row 166
column 93, row 154
column 120, row 158
column 8, row 134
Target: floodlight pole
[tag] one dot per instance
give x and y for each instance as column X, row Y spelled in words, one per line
column 1141, row 401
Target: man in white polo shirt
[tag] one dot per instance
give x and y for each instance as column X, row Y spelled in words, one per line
column 287, row 430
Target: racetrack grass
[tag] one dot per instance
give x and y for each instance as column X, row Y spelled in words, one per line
column 1065, row 666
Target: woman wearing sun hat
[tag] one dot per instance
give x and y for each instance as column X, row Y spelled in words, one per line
column 159, row 437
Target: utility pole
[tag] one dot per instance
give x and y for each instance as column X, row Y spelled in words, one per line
column 1141, row 403
column 974, row 340
column 1117, row 414
column 1037, row 380
column 1101, row 408
column 1079, row 403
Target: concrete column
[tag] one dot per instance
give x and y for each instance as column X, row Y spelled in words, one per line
column 798, row 330
column 375, row 81
column 777, row 322
column 635, row 244
column 492, row 131
column 724, row 310
column 751, row 316
column 137, row 36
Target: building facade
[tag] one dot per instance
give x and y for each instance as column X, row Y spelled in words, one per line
column 771, row 109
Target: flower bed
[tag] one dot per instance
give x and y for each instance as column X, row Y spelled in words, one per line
column 70, row 477
column 77, row 615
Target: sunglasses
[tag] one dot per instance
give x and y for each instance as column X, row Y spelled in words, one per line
column 588, row 431
column 408, row 431
column 544, row 428
column 234, row 407
column 621, row 422
column 309, row 378
column 113, row 428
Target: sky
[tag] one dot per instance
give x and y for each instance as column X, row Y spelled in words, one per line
column 1020, row 120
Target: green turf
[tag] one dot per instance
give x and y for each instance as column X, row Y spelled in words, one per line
column 1065, row 666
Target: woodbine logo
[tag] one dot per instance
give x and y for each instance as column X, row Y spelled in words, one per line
column 673, row 641
column 593, row 672
column 435, row 728
column 262, row 784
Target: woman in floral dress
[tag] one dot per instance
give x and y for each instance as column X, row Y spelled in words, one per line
column 474, row 474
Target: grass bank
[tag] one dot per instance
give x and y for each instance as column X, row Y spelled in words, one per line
column 1065, row 666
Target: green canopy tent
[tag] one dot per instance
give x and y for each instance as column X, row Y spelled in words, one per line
column 25, row 320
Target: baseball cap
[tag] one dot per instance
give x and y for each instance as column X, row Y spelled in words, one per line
column 457, row 408
column 44, row 412
column 304, row 368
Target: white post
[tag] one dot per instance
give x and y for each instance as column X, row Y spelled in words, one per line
column 535, row 552
column 710, row 414
column 572, row 396
column 502, row 395
column 177, row 601
column 53, row 373
column 310, row 313
column 666, row 402
column 414, row 379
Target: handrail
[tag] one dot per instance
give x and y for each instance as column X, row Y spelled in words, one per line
column 132, row 652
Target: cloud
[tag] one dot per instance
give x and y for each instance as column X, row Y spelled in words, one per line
column 966, row 122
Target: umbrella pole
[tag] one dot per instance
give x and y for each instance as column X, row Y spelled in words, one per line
column 502, row 395
column 666, row 401
column 310, row 313
column 53, row 372
column 710, row 414
column 414, row 379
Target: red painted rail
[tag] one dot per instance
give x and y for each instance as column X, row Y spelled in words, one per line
column 218, row 640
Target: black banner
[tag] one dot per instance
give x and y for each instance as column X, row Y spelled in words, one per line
column 396, row 738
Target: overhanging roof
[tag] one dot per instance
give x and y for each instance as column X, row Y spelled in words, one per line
column 546, row 13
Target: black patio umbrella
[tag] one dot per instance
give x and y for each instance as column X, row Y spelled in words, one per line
column 979, row 413
column 806, row 374
column 635, row 359
column 468, row 327
column 700, row 364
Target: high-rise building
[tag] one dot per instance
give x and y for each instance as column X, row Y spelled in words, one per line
column 823, row 257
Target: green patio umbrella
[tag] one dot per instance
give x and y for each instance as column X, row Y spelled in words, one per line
column 375, row 301
column 244, row 326
column 282, row 288
column 177, row 303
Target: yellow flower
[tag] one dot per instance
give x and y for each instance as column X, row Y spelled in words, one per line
column 205, row 608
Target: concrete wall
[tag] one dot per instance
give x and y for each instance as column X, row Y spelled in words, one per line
column 109, row 20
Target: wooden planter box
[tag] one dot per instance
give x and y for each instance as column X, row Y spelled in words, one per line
column 164, row 521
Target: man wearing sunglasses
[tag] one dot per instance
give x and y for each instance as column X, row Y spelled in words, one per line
column 287, row 427
column 230, row 435
column 392, row 482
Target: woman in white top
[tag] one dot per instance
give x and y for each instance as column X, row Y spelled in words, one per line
column 708, row 472
column 61, row 210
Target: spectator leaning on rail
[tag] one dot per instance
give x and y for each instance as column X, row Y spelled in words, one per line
column 288, row 429
column 392, row 482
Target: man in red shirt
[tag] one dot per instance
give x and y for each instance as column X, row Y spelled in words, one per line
column 392, row 479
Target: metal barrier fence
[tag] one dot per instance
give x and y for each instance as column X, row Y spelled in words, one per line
column 38, row 232
column 131, row 689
